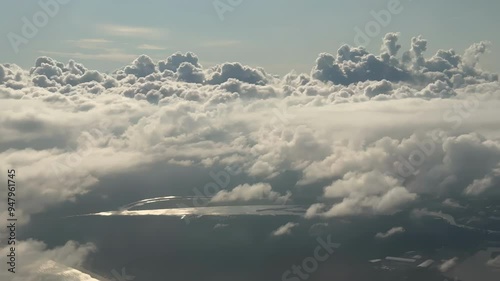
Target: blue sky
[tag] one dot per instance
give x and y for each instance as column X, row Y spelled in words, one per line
column 278, row 35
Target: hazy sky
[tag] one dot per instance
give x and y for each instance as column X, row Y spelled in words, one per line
column 278, row 35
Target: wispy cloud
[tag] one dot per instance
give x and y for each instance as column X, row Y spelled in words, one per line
column 90, row 43
column 150, row 47
column 285, row 229
column 116, row 56
column 133, row 31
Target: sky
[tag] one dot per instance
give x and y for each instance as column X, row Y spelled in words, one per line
column 277, row 35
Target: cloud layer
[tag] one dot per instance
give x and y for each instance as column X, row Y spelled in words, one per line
column 375, row 132
column 364, row 122
column 391, row 232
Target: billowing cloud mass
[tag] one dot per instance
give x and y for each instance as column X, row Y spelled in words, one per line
column 452, row 203
column 390, row 232
column 364, row 134
column 381, row 129
column 39, row 263
column 284, row 229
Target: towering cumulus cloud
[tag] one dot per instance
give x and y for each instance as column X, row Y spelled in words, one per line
column 375, row 132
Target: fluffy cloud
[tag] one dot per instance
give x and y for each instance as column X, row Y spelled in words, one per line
column 384, row 204
column 369, row 193
column 224, row 72
column 173, row 62
column 284, row 229
column 189, row 73
column 494, row 262
column 479, row 186
column 448, row 264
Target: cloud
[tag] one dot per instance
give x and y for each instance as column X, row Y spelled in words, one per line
column 247, row 192
column 132, row 31
column 141, row 67
column 284, row 229
column 448, row 264
column 189, row 73
column 220, row 225
column 495, row 262
column 318, row 229
column 40, row 263
column 222, row 43
column 51, row 270
column 356, row 64
column 356, row 142
column 369, row 193
column 113, row 55
column 174, row 61
column 222, row 73
column 2, row 73
column 150, row 47
column 391, row 232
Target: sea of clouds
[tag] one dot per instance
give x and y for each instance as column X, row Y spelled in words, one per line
column 381, row 129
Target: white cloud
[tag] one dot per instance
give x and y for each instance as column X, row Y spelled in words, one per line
column 356, row 138
column 222, row 43
column 113, row 55
column 391, row 232
column 364, row 194
column 90, row 43
column 452, row 203
column 221, row 225
column 495, row 262
column 285, row 229
column 132, row 31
